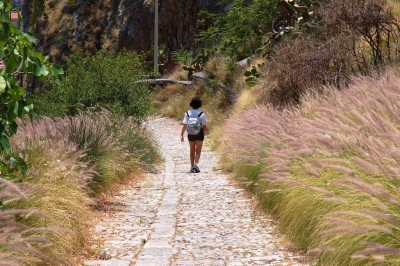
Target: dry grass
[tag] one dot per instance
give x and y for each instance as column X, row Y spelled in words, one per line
column 67, row 208
column 178, row 74
column 115, row 34
column 173, row 100
column 69, row 160
column 396, row 7
column 176, row 108
column 223, row 70
column 56, row 17
column 108, row 44
column 19, row 243
column 247, row 100
column 305, row 64
column 55, row 53
column 216, row 67
column 329, row 169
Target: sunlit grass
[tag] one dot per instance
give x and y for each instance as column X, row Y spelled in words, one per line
column 177, row 107
column 66, row 209
column 70, row 160
column 173, row 100
column 331, row 168
column 247, row 100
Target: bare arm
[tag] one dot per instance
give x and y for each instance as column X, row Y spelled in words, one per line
column 183, row 131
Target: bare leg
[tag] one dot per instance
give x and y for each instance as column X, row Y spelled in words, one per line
column 199, row 145
column 192, row 145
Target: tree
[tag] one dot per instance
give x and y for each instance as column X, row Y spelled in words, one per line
column 239, row 31
column 21, row 62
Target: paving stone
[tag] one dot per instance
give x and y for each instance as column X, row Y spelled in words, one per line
column 175, row 218
column 162, row 232
column 159, row 243
column 153, row 253
column 112, row 262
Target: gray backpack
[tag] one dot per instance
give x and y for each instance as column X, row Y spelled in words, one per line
column 193, row 126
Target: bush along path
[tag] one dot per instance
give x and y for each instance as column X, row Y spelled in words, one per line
column 179, row 218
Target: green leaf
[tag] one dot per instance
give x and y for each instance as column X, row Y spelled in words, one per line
column 12, row 113
column 21, row 91
column 247, row 73
column 3, row 85
column 3, row 168
column 57, row 72
column 13, row 127
column 10, row 81
column 28, row 108
column 19, row 108
column 35, row 69
column 251, row 83
column 38, row 55
column 45, row 71
column 20, row 20
column 4, row 36
column 12, row 161
column 20, row 165
column 5, row 30
column 30, row 37
column 11, row 62
column 11, row 176
column 5, row 143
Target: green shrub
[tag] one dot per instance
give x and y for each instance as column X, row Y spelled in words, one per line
column 239, row 32
column 105, row 80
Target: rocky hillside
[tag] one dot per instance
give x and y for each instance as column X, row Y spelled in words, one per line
column 128, row 24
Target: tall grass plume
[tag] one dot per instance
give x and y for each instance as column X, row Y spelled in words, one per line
column 70, row 161
column 336, row 152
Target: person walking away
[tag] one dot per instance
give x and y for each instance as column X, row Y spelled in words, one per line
column 195, row 139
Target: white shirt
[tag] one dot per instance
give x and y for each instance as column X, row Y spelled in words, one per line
column 195, row 113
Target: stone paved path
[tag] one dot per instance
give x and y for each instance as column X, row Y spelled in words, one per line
column 178, row 218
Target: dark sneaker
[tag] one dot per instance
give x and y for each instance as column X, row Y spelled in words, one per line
column 192, row 170
column 196, row 169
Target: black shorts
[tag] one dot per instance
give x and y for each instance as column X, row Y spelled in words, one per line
column 199, row 136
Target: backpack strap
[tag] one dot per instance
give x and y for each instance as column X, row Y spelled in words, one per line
column 187, row 113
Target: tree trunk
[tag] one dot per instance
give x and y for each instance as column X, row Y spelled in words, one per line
column 26, row 14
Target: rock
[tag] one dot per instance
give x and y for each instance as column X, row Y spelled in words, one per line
column 130, row 23
column 105, row 255
column 177, row 24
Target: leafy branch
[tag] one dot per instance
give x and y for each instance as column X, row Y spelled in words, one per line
column 22, row 63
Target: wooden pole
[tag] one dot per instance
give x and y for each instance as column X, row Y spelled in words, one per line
column 156, row 37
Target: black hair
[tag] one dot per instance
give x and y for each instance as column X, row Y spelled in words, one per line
column 196, row 103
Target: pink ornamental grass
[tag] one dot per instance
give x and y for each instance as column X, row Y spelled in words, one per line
column 346, row 143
